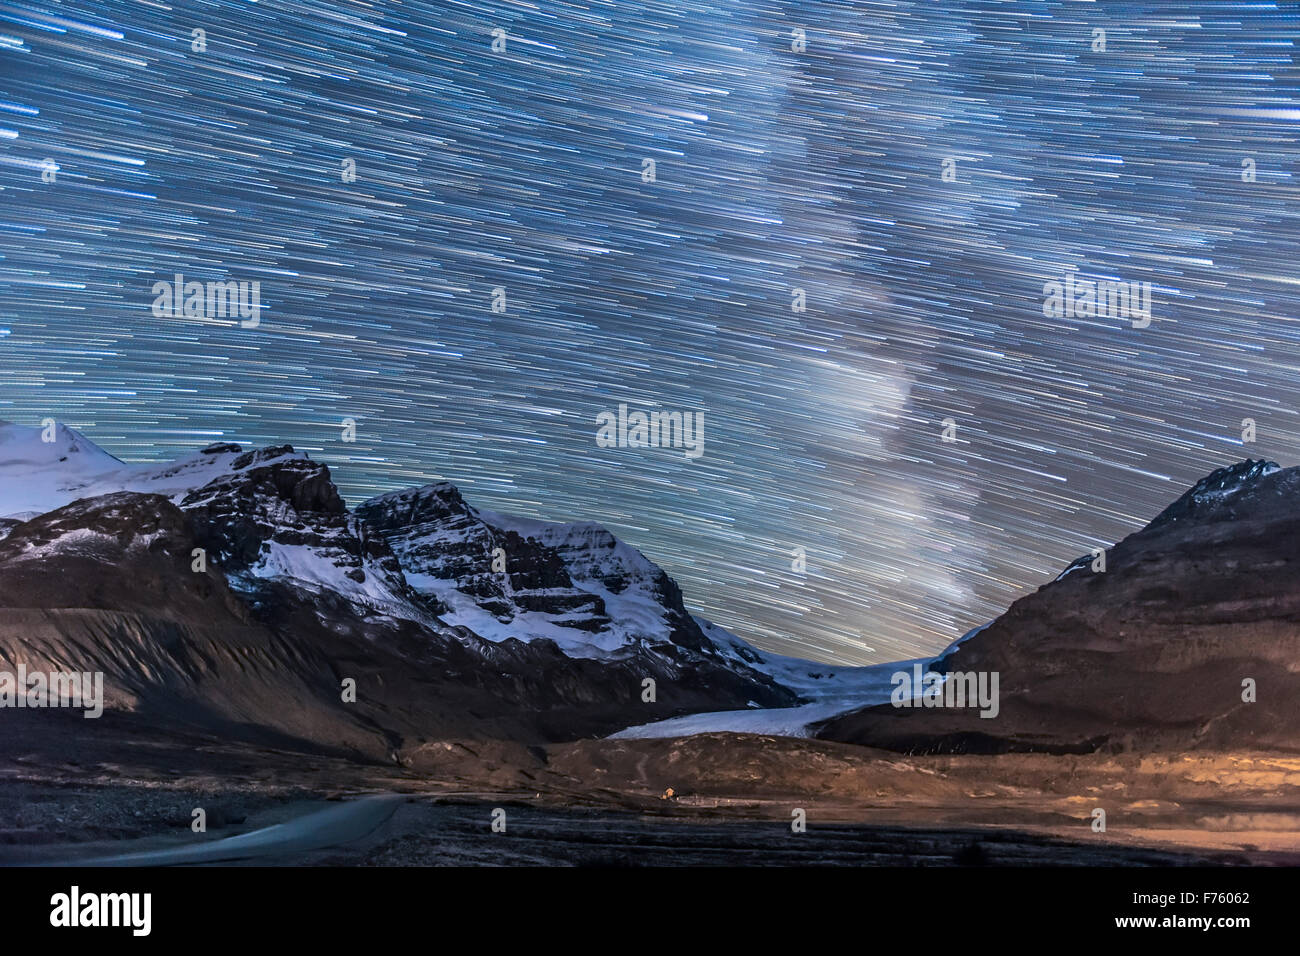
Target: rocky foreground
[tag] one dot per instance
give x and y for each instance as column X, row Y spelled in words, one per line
column 606, row 802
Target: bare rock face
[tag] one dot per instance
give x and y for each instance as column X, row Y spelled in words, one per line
column 443, row 541
column 1164, row 649
column 276, row 512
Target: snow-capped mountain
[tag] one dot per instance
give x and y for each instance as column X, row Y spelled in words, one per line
column 273, row 514
column 249, row 507
column 563, row 619
column 487, row 578
column 573, row 585
column 503, row 577
column 596, row 597
column 37, row 476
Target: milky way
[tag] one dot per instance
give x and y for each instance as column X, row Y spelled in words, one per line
column 795, row 146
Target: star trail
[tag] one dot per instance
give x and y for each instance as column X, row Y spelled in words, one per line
column 920, row 170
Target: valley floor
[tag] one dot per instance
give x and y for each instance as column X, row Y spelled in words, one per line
column 421, row 831
column 601, row 802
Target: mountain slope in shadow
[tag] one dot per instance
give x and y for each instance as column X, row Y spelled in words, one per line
column 1160, row 651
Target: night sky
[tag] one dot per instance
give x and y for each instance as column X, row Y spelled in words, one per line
column 776, row 169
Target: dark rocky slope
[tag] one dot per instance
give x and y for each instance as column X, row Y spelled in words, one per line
column 1149, row 654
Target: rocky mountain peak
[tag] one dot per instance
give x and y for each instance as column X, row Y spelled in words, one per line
column 1212, row 496
column 435, row 502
